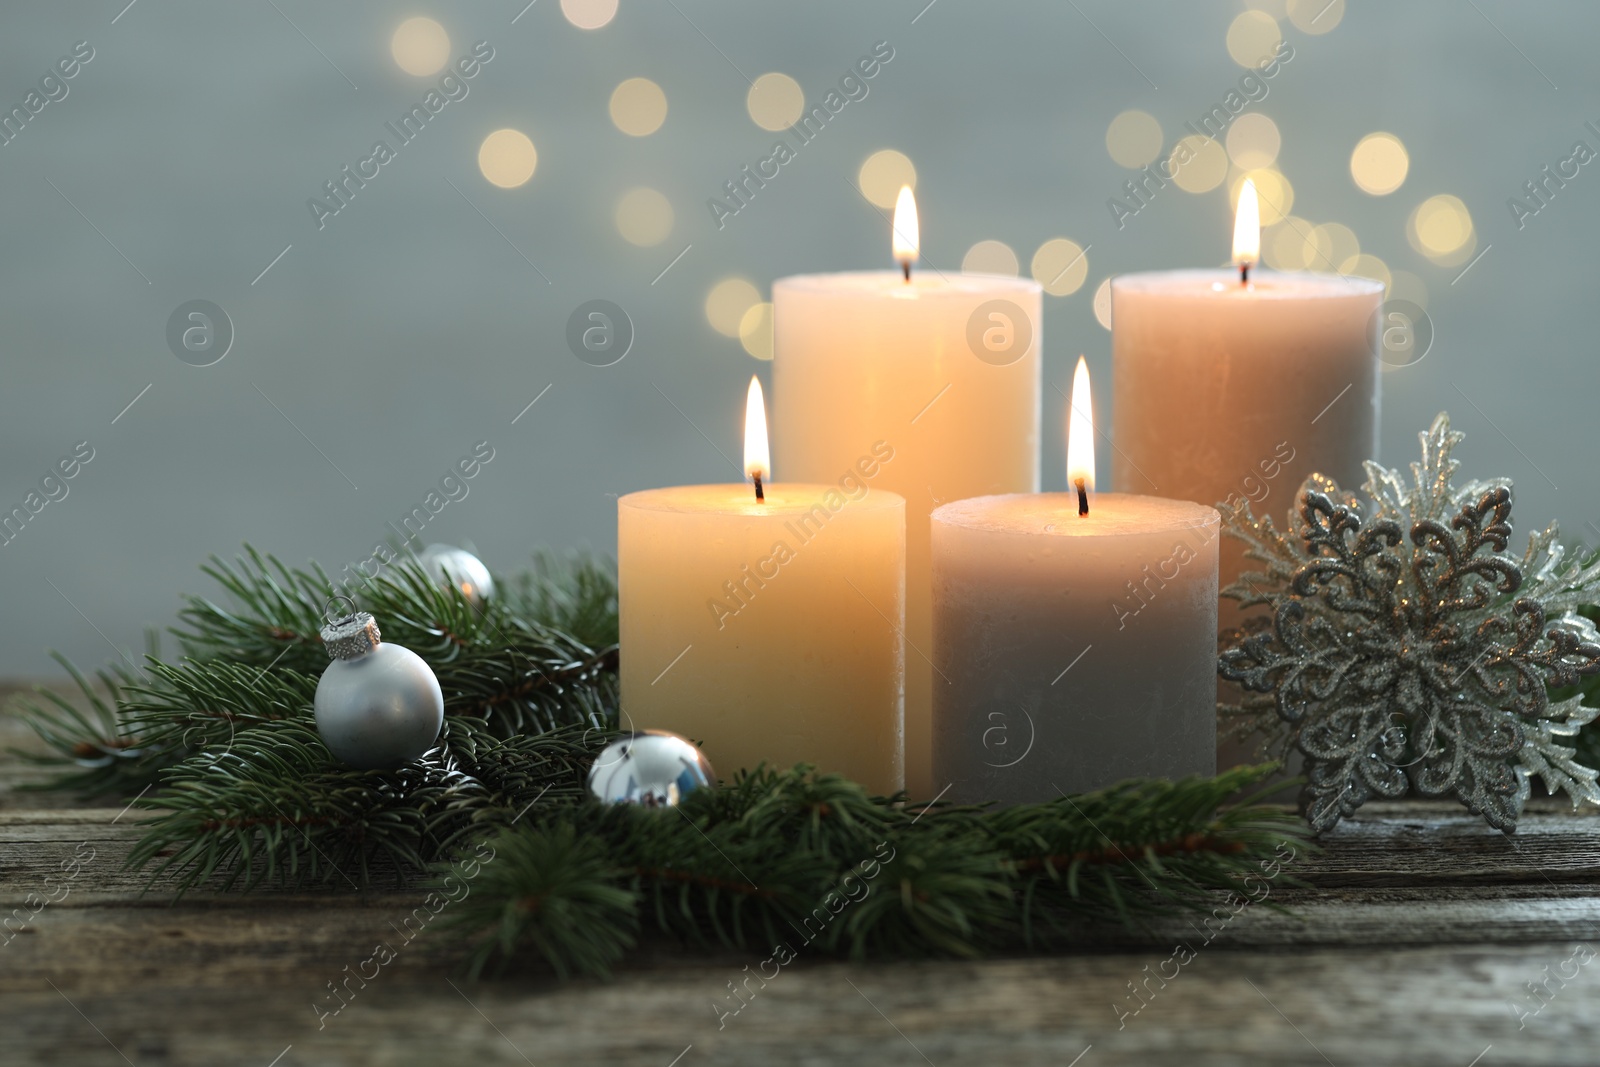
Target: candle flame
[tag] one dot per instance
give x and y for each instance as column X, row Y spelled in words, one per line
column 907, row 235
column 1080, row 430
column 1247, row 227
column 757, row 463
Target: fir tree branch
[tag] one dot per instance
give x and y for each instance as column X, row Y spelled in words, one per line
column 248, row 796
column 872, row 878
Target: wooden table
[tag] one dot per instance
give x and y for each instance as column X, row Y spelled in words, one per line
column 1415, row 946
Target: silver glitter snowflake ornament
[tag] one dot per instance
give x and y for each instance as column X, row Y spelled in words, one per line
column 1405, row 651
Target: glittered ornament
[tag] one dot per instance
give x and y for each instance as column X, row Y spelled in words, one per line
column 377, row 704
column 460, row 568
column 1405, row 651
column 651, row 768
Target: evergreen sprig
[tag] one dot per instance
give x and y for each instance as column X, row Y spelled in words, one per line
column 243, row 794
column 258, row 658
column 812, row 860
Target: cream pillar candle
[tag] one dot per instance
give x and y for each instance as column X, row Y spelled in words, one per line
column 943, row 368
column 1077, row 650
column 768, row 629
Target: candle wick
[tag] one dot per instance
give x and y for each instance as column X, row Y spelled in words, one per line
column 905, row 266
column 760, row 493
column 1083, row 497
column 1244, row 274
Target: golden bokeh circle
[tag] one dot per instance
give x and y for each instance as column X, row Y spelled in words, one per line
column 775, row 101
column 1336, row 244
column 1253, row 36
column 1198, row 164
column 883, row 173
column 1366, row 265
column 1102, row 303
column 638, row 107
column 644, row 217
column 589, row 14
column 1315, row 16
column 991, row 257
column 727, row 302
column 1060, row 266
column 1288, row 245
column 1379, row 163
column 507, row 158
column 1441, row 229
column 420, row 46
column 755, row 330
column 1253, row 141
column 1134, row 138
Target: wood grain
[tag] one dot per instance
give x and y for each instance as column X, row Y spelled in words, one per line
column 1413, row 942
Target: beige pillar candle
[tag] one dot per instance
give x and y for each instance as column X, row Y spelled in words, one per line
column 768, row 629
column 1076, row 635
column 943, row 368
column 1236, row 385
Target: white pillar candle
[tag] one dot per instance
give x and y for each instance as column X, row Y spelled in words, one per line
column 1077, row 650
column 945, row 370
column 768, row 629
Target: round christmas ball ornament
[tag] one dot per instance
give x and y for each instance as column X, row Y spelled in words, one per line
column 460, row 568
column 650, row 768
column 378, row 705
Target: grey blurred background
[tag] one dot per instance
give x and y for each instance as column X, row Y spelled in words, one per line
column 375, row 352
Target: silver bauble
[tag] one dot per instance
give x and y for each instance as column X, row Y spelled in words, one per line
column 378, row 705
column 651, row 768
column 460, row 568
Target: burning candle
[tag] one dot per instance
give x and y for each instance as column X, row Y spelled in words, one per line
column 764, row 620
column 943, row 368
column 1075, row 635
column 1238, row 384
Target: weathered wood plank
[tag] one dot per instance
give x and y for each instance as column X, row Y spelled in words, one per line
column 1415, row 944
column 1427, row 1007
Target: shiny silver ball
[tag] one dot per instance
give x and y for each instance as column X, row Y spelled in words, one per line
column 378, row 705
column 651, row 768
column 460, row 568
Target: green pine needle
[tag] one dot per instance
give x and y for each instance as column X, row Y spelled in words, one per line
column 246, row 795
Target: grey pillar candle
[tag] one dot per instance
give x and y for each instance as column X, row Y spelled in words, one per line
column 1072, row 651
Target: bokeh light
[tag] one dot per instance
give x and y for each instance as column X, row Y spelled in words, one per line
column 1252, row 37
column 727, row 302
column 1315, row 16
column 1335, row 244
column 589, row 14
column 1102, row 304
column 990, row 257
column 1273, row 190
column 1198, row 164
column 1441, row 229
column 420, row 46
column 1288, row 245
column 1134, row 138
column 882, row 175
column 775, row 101
column 1253, row 141
column 1060, row 266
column 644, row 217
column 1367, row 266
column 1379, row 163
column 638, row 107
column 755, row 330
column 507, row 158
